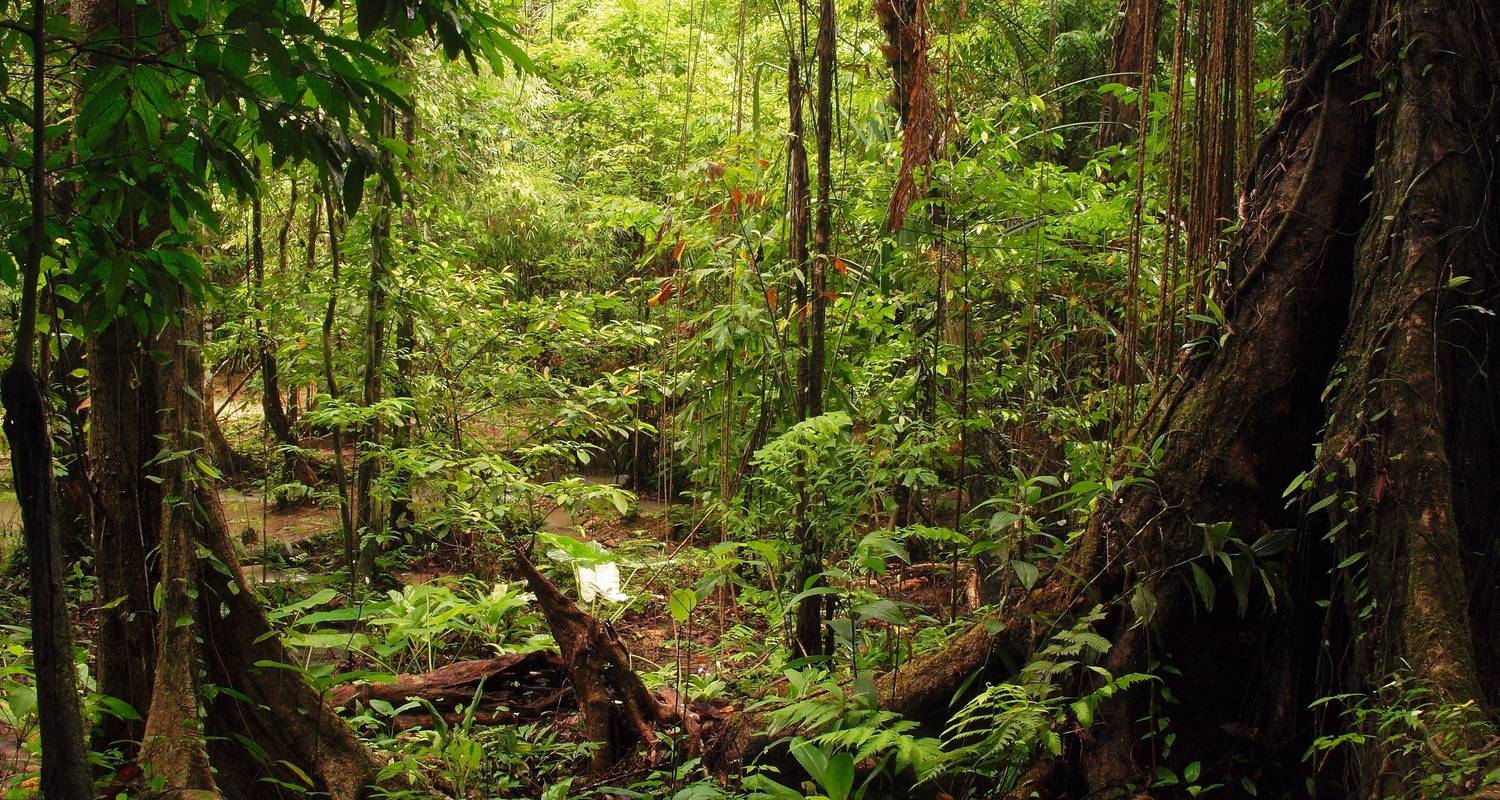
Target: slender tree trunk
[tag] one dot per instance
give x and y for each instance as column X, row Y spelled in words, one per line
column 808, row 631
column 271, row 404
column 798, row 222
column 65, row 766
column 330, row 378
column 813, row 612
column 368, row 521
column 402, row 515
column 294, row 466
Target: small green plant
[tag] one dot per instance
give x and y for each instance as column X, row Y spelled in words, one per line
column 825, row 728
column 423, row 621
column 1439, row 749
column 997, row 733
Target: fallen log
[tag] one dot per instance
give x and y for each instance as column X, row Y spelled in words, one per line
column 515, row 686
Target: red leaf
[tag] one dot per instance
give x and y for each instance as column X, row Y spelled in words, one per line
column 662, row 296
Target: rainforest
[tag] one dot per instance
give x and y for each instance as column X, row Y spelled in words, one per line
column 750, row 399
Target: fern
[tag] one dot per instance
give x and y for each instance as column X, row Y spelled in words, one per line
column 999, row 731
column 887, row 736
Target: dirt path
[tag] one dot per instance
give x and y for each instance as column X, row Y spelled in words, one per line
column 271, row 525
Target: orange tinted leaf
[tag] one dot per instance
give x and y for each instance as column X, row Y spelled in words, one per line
column 662, row 296
column 771, row 299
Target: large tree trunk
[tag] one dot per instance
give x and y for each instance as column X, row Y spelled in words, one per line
column 1411, row 435
column 173, row 750
column 122, row 441
column 1362, row 286
column 212, row 625
column 160, row 527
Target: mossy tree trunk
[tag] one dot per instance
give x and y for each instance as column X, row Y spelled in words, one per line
column 212, row 632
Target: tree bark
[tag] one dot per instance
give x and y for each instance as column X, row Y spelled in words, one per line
column 807, row 634
column 813, row 612
column 331, row 382
column 403, row 514
column 368, row 521
column 1404, row 437
column 122, row 441
column 922, row 120
column 173, row 749
column 65, row 765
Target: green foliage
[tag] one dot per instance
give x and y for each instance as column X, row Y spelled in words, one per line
column 588, row 264
column 828, row 730
column 417, row 627
column 998, row 731
column 1434, row 748
column 427, row 619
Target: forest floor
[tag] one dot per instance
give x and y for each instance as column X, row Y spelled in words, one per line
column 724, row 656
